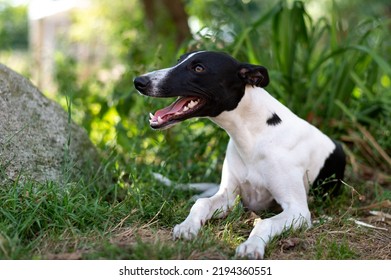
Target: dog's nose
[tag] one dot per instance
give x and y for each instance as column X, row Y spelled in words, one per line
column 141, row 83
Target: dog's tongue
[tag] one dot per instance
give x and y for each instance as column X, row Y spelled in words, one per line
column 173, row 108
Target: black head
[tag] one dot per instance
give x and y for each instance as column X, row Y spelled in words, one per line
column 206, row 84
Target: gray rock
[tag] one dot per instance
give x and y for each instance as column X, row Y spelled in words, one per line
column 37, row 140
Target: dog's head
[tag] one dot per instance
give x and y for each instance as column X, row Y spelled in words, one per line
column 206, row 84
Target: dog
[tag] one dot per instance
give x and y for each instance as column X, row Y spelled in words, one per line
column 273, row 156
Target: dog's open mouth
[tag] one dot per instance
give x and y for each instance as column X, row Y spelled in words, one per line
column 183, row 108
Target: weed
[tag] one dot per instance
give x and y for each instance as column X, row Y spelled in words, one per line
column 334, row 249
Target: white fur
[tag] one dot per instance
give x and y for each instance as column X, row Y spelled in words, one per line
column 263, row 162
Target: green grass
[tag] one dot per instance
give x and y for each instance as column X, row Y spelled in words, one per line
column 334, row 250
column 31, row 212
column 133, row 217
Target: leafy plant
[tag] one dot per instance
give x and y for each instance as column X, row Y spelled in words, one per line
column 334, row 76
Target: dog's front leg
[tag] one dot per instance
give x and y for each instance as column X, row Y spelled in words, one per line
column 289, row 192
column 202, row 210
column 265, row 230
column 205, row 208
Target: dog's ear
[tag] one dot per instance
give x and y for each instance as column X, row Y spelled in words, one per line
column 254, row 75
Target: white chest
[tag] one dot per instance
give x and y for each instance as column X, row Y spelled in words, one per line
column 254, row 195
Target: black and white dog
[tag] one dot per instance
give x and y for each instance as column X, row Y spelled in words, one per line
column 272, row 156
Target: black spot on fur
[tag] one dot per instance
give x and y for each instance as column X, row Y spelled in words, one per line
column 274, row 120
column 332, row 172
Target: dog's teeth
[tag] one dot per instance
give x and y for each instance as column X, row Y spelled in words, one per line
column 191, row 104
column 159, row 120
column 185, row 109
column 151, row 115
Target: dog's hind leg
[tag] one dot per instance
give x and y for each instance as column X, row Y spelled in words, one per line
column 204, row 189
column 210, row 190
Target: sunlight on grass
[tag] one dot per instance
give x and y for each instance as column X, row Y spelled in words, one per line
column 385, row 81
column 103, row 130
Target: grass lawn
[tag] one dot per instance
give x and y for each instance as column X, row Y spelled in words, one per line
column 133, row 216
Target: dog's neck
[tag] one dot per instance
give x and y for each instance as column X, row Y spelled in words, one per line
column 249, row 118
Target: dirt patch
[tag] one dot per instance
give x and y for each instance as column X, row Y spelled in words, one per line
column 143, row 233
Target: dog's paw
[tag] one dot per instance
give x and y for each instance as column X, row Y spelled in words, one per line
column 253, row 248
column 185, row 231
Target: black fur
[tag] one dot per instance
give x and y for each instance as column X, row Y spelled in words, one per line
column 274, row 120
column 220, row 86
column 329, row 178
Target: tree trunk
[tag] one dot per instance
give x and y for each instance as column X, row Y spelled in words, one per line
column 180, row 18
column 176, row 10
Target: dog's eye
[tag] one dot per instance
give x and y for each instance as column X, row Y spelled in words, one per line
column 198, row 68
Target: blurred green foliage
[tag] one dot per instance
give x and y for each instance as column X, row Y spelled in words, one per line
column 13, row 26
